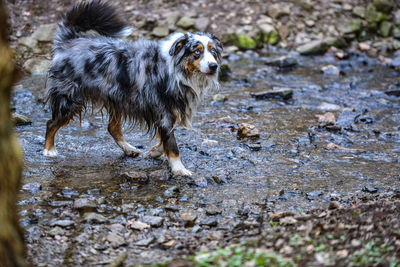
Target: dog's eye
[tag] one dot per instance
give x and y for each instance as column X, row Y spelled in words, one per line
column 213, row 51
column 197, row 53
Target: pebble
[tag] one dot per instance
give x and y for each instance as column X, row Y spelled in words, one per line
column 154, row 221
column 330, row 70
column 115, row 240
column 63, row 223
column 20, row 119
column 282, row 62
column 334, row 205
column 135, row 177
column 189, row 218
column 84, row 204
column 209, row 221
column 327, row 119
column 370, row 189
column 32, row 188
column 138, row 225
column 69, row 192
column 219, row 98
column 144, row 242
column 37, row 65
column 93, row 217
column 247, row 130
column 277, row 93
column 159, row 175
column 328, row 107
column 172, row 191
column 287, row 221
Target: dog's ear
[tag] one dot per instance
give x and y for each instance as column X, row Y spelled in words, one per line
column 218, row 43
column 178, row 45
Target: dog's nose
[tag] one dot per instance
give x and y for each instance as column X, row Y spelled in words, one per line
column 213, row 67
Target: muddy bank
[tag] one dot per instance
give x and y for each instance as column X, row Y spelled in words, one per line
column 92, row 204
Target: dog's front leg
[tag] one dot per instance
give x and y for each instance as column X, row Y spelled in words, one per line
column 172, row 152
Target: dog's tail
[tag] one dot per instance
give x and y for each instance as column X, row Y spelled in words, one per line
column 91, row 16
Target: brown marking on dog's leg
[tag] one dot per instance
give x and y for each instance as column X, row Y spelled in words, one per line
column 115, row 129
column 52, row 127
column 172, row 152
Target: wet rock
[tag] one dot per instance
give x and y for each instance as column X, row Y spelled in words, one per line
column 268, row 34
column 330, row 70
column 37, row 65
column 247, row 130
column 185, row 23
column 154, row 221
column 115, row 240
column 213, row 210
column 29, row 42
column 328, row 107
column 199, row 182
column 172, row 191
column 277, row 93
column 225, row 73
column 395, row 63
column 314, row 194
column 393, row 92
column 385, row 29
column 45, row 32
column 359, row 11
column 92, row 217
column 219, row 98
column 370, row 189
column 63, row 223
column 20, row 119
column 313, row 48
column 209, row 142
column 159, row 175
column 169, row 244
column 144, row 242
column 278, row 10
column 334, row 205
column 69, row 192
column 282, row 62
column 202, row 23
column 353, row 26
column 188, row 218
column 372, row 16
column 244, row 42
column 396, row 32
column 32, row 188
column 397, row 17
column 209, row 221
column 346, row 119
column 253, row 146
column 135, row 177
column 56, row 231
column 160, row 31
column 383, row 5
column 117, row 228
column 61, row 203
column 327, row 119
column 84, row 204
column 138, row 225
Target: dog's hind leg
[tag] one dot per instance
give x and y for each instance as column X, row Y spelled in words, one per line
column 52, row 127
column 115, row 129
column 157, row 150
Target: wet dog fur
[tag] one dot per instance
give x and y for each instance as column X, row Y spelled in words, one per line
column 155, row 85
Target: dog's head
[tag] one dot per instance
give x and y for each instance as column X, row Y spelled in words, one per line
column 196, row 54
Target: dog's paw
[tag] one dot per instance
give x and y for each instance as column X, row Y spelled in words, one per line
column 181, row 172
column 50, row 153
column 133, row 153
column 154, row 153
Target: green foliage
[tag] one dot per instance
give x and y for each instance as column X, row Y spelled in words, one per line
column 373, row 254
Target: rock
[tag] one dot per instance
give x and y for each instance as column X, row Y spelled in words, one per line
column 116, row 228
column 84, row 204
column 188, row 218
column 56, row 231
column 313, row 47
column 253, row 146
column 314, row 194
column 209, row 142
column 276, row 93
column 219, row 98
column 226, row 119
column 37, row 65
column 144, row 242
column 225, row 73
column 159, row 175
column 330, row 70
column 209, row 221
column 62, row 223
column 29, row 42
column 397, row 17
column 202, row 23
column 396, row 32
column 115, row 240
column 342, row 253
column 370, row 189
column 160, row 31
column 244, row 42
column 278, row 10
column 93, row 217
column 278, row 215
column 334, row 205
column 267, row 34
column 32, row 188
column 199, row 182
column 385, row 28
column 393, row 92
column 172, row 17
column 327, row 119
column 213, row 210
column 372, row 16
column 138, row 225
column 45, row 32
column 395, row 63
column 383, row 5
column 169, row 244
column 346, row 119
column 353, row 26
column 69, row 192
column 185, row 23
column 328, row 107
column 246, row 130
column 359, row 11
column 337, row 42
column 287, row 221
column 154, row 221
column 281, row 62
column 20, row 119
column 171, row 191
column 135, row 177
column 364, row 46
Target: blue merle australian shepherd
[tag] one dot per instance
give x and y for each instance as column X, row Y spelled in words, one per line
column 156, row 85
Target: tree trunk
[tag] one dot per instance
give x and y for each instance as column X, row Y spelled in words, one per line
column 12, row 250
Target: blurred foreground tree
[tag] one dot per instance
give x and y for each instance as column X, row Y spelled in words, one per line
column 12, row 250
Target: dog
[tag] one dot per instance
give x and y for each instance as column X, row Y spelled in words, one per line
column 154, row 84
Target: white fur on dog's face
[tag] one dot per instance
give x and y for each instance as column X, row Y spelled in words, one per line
column 208, row 57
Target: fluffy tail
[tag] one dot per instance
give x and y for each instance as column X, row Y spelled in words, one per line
column 94, row 15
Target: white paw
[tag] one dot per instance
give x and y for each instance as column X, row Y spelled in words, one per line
column 155, row 152
column 129, row 150
column 181, row 172
column 50, row 153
